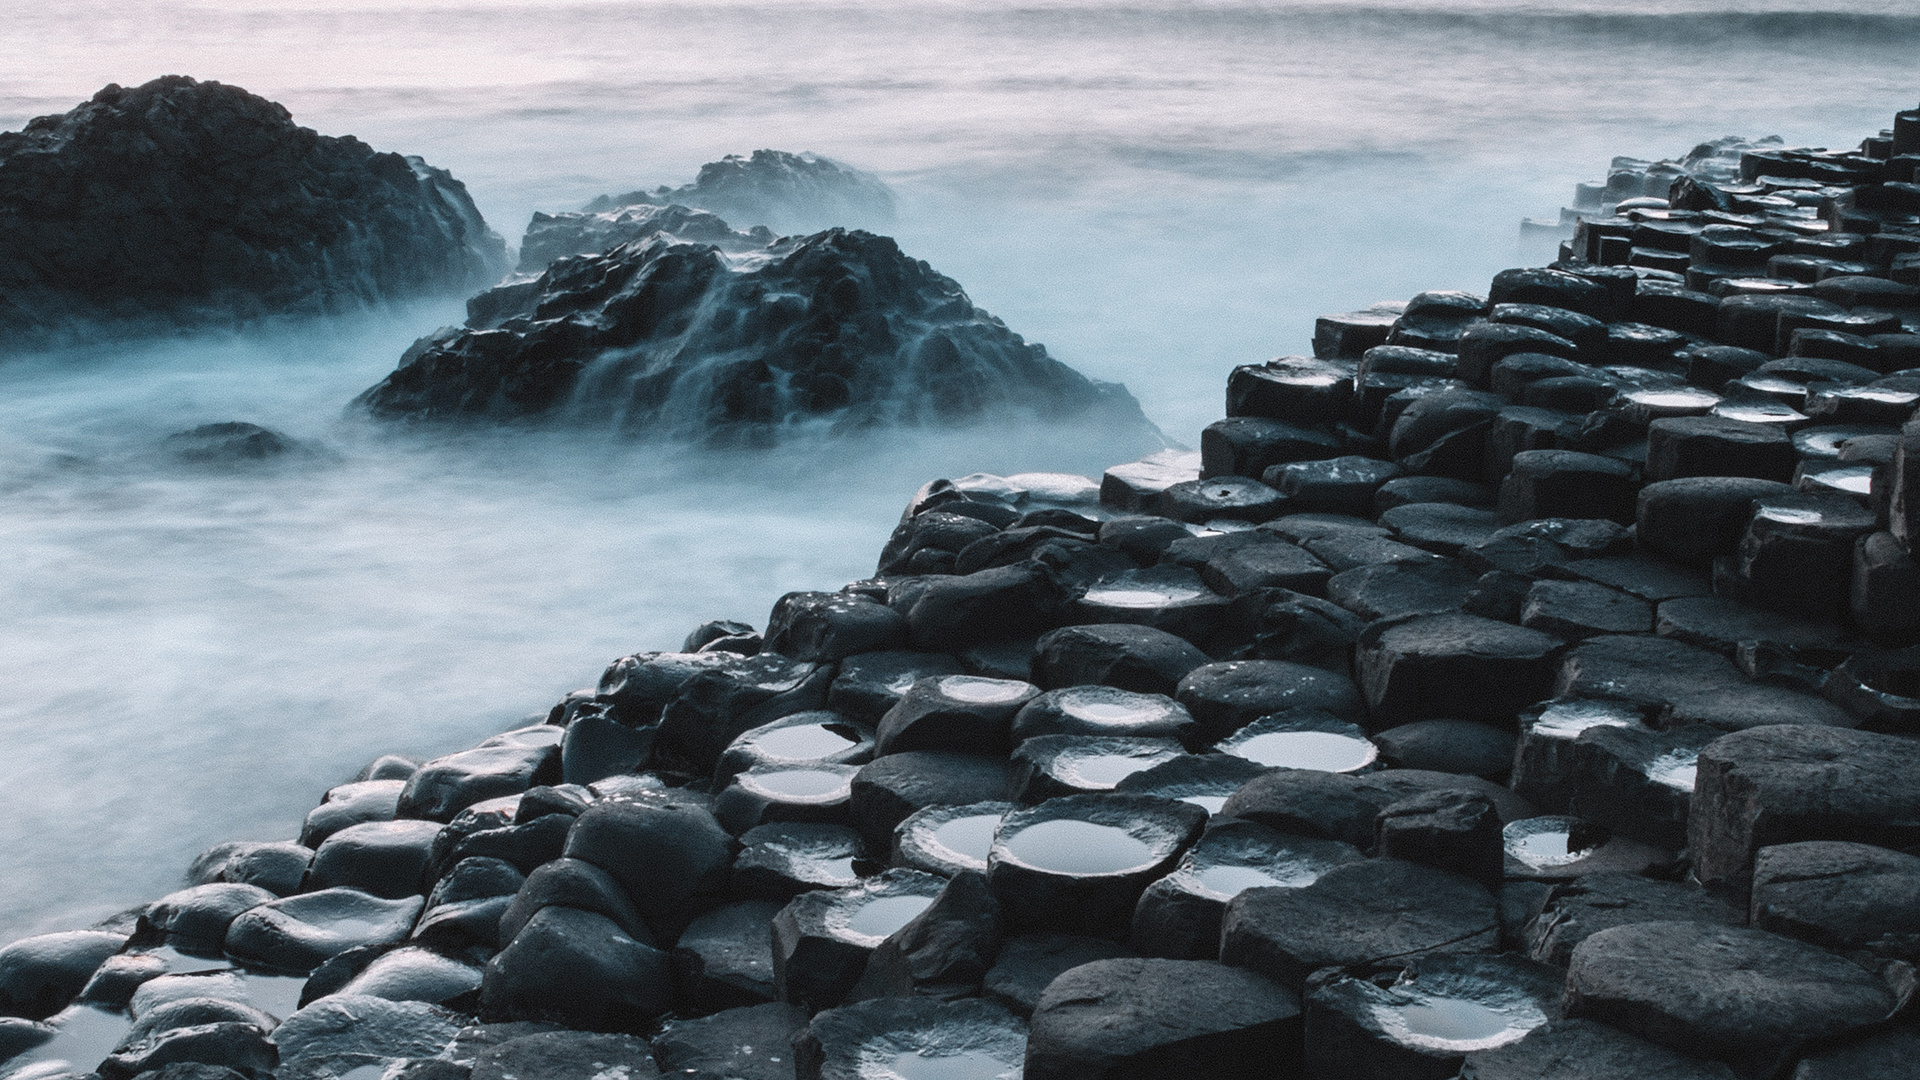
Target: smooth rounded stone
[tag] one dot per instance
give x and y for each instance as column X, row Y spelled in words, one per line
column 597, row 745
column 1028, row 963
column 1580, row 609
column 1303, row 739
column 747, row 1043
column 1008, row 659
column 1250, row 445
column 1578, row 909
column 1179, row 915
column 277, row 867
column 18, row 1036
column 1163, row 1018
column 336, row 1035
column 785, row 793
column 1885, row 1055
column 1789, row 783
column 726, row 633
column 1142, row 659
column 821, row 939
column 1444, row 528
column 1485, row 345
column 955, row 713
column 1297, row 389
column 1205, row 780
column 944, row 952
column 482, row 817
column 1048, row 766
column 1225, row 697
column 242, row 1048
column 825, row 627
column 1455, row 665
column 1103, row 710
column 1235, row 498
column 1883, row 689
column 946, row 840
column 115, row 981
column 195, row 920
column 1343, row 551
column 865, row 686
column 525, row 846
column 1839, row 895
column 911, row 1039
column 386, row 858
column 1719, row 624
column 296, row 934
column 716, row 705
column 666, row 854
column 351, row 804
column 957, row 612
column 1271, row 565
column 1584, row 1050
column 1555, row 847
column 1418, row 1019
column 927, row 542
column 1444, row 433
column 1716, row 446
column 506, row 764
column 1449, row 829
column 1079, row 863
column 1743, row 996
column 567, row 1055
column 1340, row 485
column 886, row 791
column 169, row 1015
column 580, row 969
column 1301, row 629
column 1683, row 683
column 1693, row 519
column 41, row 975
column 415, row 974
column 220, row 984
column 1361, row 913
column 469, row 904
column 1401, row 589
column 724, row 958
column 781, row 860
column 1467, row 747
column 1169, row 597
column 1564, row 483
column 1424, row 490
column 1343, row 806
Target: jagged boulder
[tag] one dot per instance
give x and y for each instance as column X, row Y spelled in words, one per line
column 189, row 203
column 663, row 336
column 789, row 192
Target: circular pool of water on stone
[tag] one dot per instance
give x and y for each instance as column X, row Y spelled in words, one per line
column 1325, row 751
column 969, row 837
column 1226, row 880
column 1543, row 842
column 966, row 1065
column 806, row 742
column 1079, row 847
column 881, row 916
column 1457, row 1023
column 977, row 691
column 1107, row 706
column 802, row 783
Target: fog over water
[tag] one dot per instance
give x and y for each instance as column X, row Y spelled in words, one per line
column 1156, row 190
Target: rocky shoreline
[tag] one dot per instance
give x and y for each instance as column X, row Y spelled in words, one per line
column 1521, row 686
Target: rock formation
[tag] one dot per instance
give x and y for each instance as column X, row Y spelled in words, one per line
column 663, row 336
column 182, row 203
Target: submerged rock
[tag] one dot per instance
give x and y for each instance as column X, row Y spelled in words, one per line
column 191, row 203
column 664, row 336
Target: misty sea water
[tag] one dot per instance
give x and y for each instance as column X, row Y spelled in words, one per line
column 1156, row 190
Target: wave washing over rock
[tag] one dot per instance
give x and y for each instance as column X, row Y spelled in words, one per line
column 184, row 203
column 1522, row 687
column 739, row 337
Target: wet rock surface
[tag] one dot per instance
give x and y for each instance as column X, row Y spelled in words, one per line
column 220, row 210
column 1508, row 634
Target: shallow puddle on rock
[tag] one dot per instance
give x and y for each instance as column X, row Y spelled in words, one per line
column 803, row 783
column 1460, row 1023
column 806, row 742
column 1135, row 589
column 1675, row 769
column 966, row 1065
column 1079, row 847
column 1543, row 842
column 1674, row 399
column 1852, row 479
column 1324, row 751
column 1568, row 719
column 882, row 916
column 1790, row 515
column 1104, row 705
column 969, row 837
column 1227, row 881
column 977, row 691
column 1756, row 413
column 84, row 1037
column 1210, row 803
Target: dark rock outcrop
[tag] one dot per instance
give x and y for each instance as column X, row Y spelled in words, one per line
column 180, row 203
column 665, row 336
